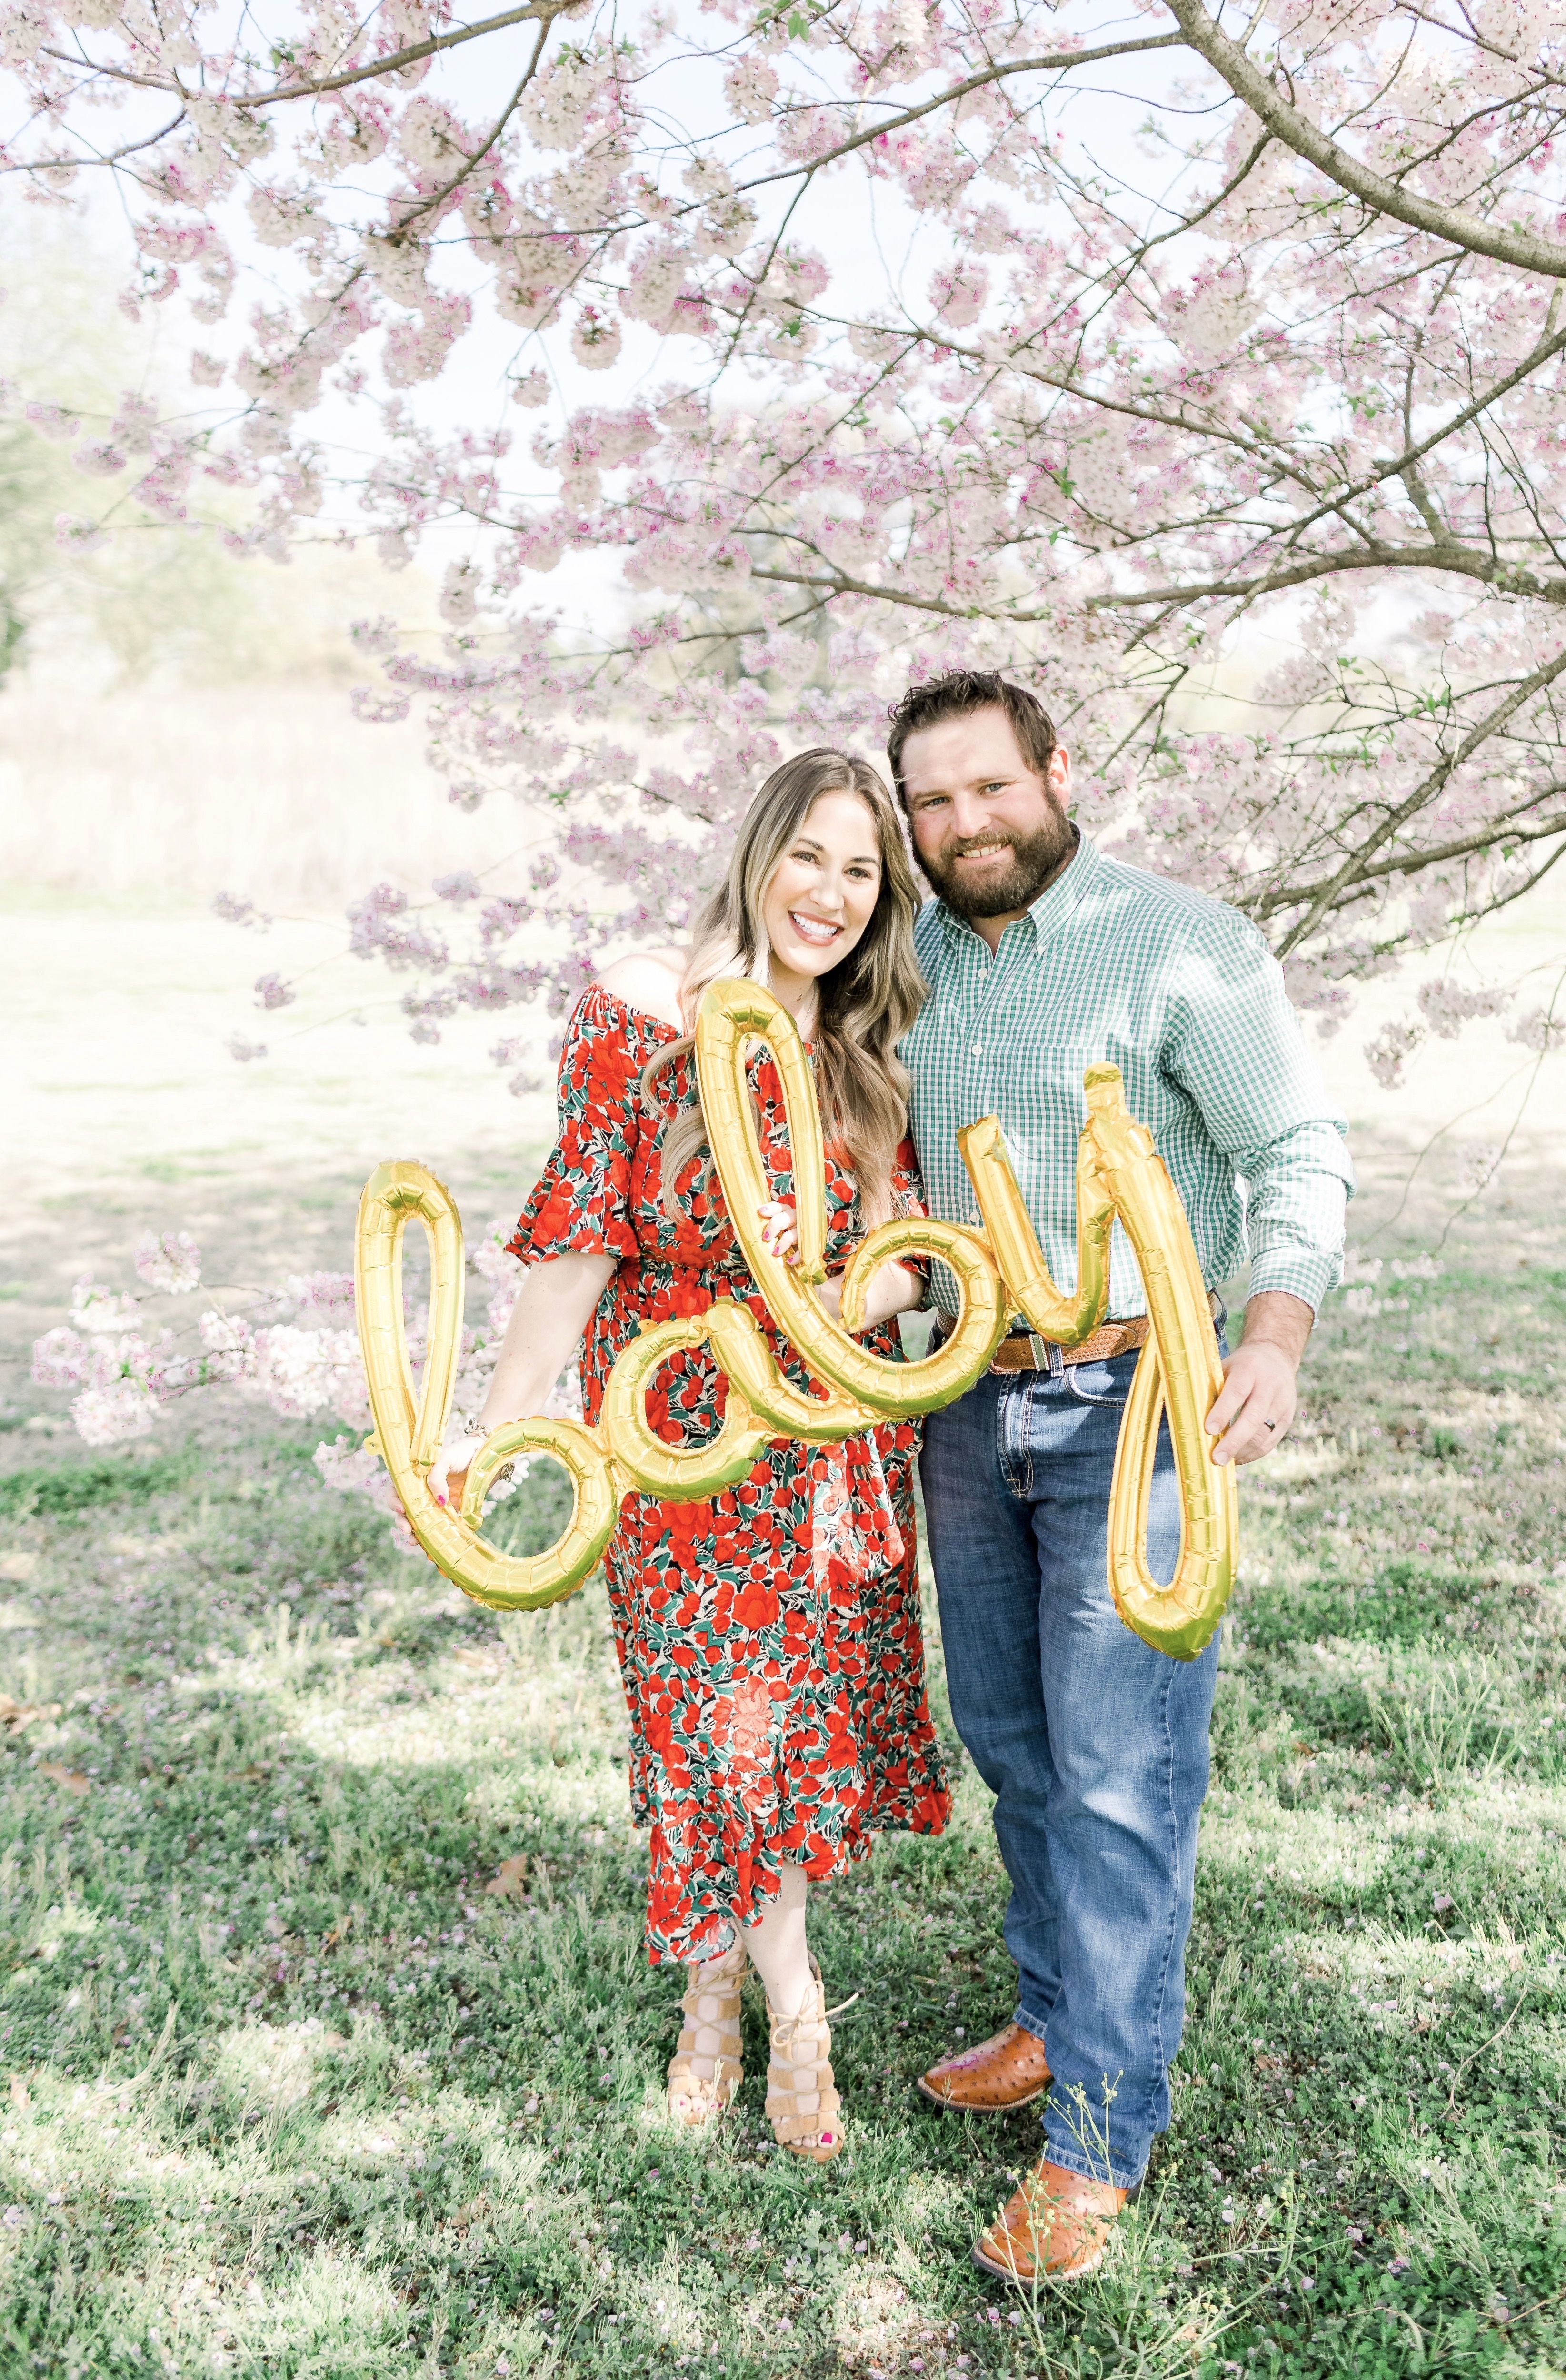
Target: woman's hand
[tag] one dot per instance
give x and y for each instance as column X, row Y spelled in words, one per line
column 893, row 1290
column 780, row 1232
column 448, row 1475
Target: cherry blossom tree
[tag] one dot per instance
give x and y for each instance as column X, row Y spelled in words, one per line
column 1205, row 369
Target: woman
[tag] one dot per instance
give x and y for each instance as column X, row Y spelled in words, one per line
column 769, row 1639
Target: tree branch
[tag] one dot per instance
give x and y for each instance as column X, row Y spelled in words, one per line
column 54, row 165
column 838, row 583
column 392, row 63
column 1055, row 62
column 1354, row 868
column 1447, row 555
column 1529, row 250
column 1550, row 344
column 438, row 199
column 1483, row 839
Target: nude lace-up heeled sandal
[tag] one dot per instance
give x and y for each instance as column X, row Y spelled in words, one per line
column 802, row 2105
column 705, row 2071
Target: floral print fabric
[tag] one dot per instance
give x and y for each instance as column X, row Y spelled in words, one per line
column 769, row 1638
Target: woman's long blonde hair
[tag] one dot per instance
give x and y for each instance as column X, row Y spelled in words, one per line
column 864, row 1005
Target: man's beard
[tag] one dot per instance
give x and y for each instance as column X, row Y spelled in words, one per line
column 1035, row 860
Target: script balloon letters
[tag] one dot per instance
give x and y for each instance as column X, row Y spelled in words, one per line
column 999, row 1271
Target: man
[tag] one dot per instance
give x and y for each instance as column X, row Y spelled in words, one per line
column 1044, row 956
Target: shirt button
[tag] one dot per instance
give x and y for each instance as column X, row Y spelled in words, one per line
column 977, row 1050
column 974, row 1215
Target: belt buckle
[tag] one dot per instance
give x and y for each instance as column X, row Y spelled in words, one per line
column 1047, row 1355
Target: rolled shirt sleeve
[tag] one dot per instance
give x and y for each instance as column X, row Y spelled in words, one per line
column 1238, row 1051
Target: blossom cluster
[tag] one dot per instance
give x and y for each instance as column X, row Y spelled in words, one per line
column 1444, row 1008
column 293, row 1347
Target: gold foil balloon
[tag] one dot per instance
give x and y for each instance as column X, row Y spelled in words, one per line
column 734, row 1012
column 1180, row 1370
column 1118, row 1172
column 684, row 1475
column 739, row 1343
column 1067, row 1320
column 406, row 1437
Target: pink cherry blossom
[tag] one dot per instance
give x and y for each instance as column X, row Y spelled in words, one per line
column 96, row 1308
column 1540, row 1030
column 53, row 421
column 236, row 909
column 293, row 1347
column 327, row 1296
column 125, row 1408
column 1478, row 1161
column 1389, row 1052
column 170, row 1262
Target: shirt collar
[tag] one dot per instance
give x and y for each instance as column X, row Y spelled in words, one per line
column 1052, row 913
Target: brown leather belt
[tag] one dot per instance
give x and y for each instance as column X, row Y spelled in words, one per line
column 1024, row 1350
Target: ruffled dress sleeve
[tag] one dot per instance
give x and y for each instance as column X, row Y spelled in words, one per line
column 582, row 1201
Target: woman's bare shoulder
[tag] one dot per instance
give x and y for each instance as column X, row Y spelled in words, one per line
column 649, row 981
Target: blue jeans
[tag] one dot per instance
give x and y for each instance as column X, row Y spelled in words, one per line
column 1095, row 1745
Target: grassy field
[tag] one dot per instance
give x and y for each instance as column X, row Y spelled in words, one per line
column 292, row 2093
column 331, row 2049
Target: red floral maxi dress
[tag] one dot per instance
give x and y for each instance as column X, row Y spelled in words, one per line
column 768, row 1638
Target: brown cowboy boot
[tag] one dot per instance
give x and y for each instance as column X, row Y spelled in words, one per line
column 1056, row 2227
column 1005, row 2072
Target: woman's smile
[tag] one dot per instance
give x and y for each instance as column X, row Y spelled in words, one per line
column 814, row 929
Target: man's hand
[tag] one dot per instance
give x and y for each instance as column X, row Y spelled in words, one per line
column 1258, row 1400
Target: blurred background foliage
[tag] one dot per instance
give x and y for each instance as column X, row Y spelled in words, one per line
column 157, row 601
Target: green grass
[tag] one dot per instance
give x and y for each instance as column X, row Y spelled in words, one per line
column 75, row 1486
column 292, row 2094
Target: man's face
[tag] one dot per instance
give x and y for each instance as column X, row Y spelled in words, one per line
column 989, row 832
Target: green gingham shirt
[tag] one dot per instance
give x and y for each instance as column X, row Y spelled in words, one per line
column 1181, row 994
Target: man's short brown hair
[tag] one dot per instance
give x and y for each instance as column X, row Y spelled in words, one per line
column 953, row 697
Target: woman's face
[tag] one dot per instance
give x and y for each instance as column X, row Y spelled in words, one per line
column 824, row 889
